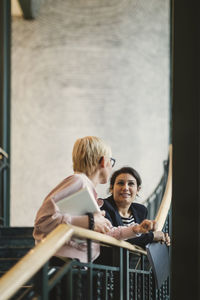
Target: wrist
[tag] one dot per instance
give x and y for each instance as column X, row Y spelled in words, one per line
column 90, row 221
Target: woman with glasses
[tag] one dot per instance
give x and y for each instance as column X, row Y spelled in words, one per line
column 92, row 164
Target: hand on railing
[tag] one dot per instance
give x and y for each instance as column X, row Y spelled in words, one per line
column 101, row 224
column 160, row 236
column 144, row 227
column 148, row 225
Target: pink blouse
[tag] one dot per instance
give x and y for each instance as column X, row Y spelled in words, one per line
column 49, row 216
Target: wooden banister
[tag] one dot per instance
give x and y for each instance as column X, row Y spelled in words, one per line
column 166, row 200
column 33, row 261
column 104, row 239
column 41, row 253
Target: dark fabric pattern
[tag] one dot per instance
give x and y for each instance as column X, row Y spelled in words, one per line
column 139, row 212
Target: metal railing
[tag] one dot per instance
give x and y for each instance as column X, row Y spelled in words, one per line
column 129, row 275
column 5, row 57
column 154, row 200
column 4, row 198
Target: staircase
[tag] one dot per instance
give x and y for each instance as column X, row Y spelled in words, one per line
column 118, row 281
column 15, row 242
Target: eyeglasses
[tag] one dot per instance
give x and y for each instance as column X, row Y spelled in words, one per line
column 112, row 161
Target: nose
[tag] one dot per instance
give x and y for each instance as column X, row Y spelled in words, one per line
column 125, row 186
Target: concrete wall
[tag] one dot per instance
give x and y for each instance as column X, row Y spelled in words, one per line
column 92, row 67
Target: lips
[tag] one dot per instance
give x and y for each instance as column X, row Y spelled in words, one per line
column 125, row 195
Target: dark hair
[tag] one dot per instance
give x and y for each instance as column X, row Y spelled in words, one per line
column 125, row 170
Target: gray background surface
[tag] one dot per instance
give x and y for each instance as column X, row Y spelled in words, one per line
column 92, row 67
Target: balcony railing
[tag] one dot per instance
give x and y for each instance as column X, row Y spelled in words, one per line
column 129, row 276
column 4, row 193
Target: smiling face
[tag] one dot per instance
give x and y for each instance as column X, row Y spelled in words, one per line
column 124, row 190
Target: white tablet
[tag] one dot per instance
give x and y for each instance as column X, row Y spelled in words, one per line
column 79, row 203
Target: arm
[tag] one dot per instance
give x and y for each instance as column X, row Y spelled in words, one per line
column 153, row 236
column 124, row 232
column 49, row 215
column 142, row 240
column 160, row 236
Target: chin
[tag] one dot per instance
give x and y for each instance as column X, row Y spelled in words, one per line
column 103, row 180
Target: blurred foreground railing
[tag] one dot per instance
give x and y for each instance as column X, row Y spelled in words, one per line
column 129, row 276
column 158, row 204
column 4, row 189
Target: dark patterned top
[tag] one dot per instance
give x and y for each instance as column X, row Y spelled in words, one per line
column 128, row 221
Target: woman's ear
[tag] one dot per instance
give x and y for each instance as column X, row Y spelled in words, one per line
column 138, row 189
column 102, row 162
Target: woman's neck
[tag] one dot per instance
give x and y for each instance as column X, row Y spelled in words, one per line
column 94, row 178
column 124, row 211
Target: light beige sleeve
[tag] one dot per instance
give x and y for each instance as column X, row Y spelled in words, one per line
column 122, row 232
column 49, row 215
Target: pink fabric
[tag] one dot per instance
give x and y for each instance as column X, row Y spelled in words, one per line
column 49, row 217
column 122, row 232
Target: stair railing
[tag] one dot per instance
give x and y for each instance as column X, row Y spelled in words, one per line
column 164, row 208
column 119, row 281
column 4, row 188
column 41, row 253
column 162, row 193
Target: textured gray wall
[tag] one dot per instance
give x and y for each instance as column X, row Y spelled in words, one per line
column 92, row 67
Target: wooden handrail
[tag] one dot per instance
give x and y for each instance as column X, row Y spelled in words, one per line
column 33, row 261
column 104, row 239
column 41, row 253
column 166, row 200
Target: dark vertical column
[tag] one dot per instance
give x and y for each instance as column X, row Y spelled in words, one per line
column 5, row 28
column 186, row 138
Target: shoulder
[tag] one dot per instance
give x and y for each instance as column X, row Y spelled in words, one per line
column 139, row 207
column 111, row 211
column 139, row 211
column 68, row 186
column 79, row 180
column 108, row 203
column 75, row 181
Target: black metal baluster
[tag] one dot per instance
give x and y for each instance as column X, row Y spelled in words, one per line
column 41, row 282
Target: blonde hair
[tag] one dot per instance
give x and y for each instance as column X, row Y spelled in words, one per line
column 87, row 152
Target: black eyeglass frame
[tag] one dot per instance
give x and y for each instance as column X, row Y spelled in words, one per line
column 112, row 160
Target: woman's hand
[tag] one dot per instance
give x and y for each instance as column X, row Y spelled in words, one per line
column 162, row 237
column 101, row 224
column 145, row 226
